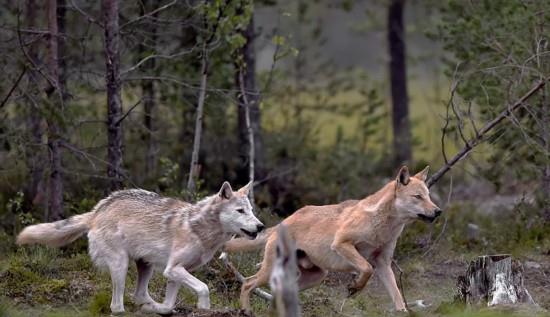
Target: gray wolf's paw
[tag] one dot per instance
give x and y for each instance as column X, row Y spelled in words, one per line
column 117, row 310
column 156, row 308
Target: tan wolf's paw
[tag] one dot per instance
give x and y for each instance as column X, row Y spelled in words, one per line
column 355, row 287
column 156, row 308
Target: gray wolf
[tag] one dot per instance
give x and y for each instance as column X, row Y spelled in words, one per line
column 352, row 236
column 155, row 232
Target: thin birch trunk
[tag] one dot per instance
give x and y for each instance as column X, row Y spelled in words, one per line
column 248, row 80
column 250, row 135
column 194, row 166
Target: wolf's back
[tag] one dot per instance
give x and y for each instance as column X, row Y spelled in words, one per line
column 246, row 245
column 56, row 234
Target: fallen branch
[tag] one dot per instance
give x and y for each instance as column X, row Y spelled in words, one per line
column 400, row 284
column 261, row 293
column 480, row 136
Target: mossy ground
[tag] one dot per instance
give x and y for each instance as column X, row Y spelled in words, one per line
column 44, row 282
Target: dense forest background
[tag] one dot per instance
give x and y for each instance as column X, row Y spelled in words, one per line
column 316, row 101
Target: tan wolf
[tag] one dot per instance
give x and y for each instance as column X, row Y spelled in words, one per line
column 353, row 236
column 155, row 232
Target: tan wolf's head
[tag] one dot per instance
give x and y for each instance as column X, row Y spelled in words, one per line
column 412, row 199
column 235, row 212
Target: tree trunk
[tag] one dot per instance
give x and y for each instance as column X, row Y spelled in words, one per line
column 194, row 165
column 61, row 40
column 148, row 92
column 114, row 102
column 545, row 133
column 248, row 82
column 398, row 78
column 493, row 280
column 283, row 280
column 54, row 92
column 35, row 124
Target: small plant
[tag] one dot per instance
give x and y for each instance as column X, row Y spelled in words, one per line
column 99, row 305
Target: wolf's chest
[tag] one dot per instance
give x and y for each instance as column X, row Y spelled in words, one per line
column 204, row 257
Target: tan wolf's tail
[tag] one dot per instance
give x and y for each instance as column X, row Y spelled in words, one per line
column 246, row 245
column 56, row 234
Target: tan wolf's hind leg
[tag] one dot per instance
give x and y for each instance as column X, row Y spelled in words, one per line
column 261, row 277
column 311, row 277
column 145, row 271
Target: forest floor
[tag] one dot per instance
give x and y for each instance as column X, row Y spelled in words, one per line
column 48, row 283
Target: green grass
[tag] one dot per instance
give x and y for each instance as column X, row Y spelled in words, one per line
column 39, row 281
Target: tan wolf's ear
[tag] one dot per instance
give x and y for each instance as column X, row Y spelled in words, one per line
column 403, row 177
column 422, row 175
column 225, row 192
column 246, row 188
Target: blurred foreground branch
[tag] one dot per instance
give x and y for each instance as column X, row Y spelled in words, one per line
column 481, row 134
column 283, row 279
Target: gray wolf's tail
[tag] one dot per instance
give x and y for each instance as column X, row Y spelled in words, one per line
column 56, row 234
column 246, row 245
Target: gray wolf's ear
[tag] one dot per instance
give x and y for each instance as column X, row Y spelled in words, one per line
column 246, row 188
column 403, row 177
column 423, row 174
column 225, row 192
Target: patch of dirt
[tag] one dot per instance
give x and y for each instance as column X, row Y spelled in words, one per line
column 188, row 312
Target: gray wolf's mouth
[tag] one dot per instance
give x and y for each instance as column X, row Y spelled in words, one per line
column 250, row 234
column 426, row 218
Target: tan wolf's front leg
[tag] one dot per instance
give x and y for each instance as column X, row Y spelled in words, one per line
column 348, row 251
column 387, row 277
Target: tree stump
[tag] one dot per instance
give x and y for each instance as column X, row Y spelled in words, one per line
column 493, row 280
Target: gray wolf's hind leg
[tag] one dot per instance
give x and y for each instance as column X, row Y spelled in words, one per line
column 145, row 271
column 118, row 268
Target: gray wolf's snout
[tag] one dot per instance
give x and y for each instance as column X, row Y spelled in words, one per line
column 438, row 212
column 260, row 228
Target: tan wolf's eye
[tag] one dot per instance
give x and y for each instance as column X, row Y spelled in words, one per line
column 240, row 210
column 418, row 196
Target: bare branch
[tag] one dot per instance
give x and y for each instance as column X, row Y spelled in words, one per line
column 128, row 112
column 145, row 59
column 90, row 18
column 12, row 89
column 261, row 293
column 478, row 138
column 149, row 14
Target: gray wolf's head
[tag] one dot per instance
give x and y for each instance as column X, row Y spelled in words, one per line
column 236, row 214
column 412, row 196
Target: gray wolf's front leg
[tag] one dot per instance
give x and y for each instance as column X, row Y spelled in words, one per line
column 179, row 275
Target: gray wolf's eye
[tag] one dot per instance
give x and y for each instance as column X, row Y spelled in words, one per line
column 418, row 196
column 240, row 210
